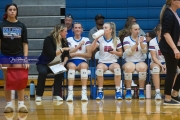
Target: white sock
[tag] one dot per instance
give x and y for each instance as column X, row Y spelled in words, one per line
column 9, row 103
column 84, row 88
column 100, row 89
column 117, row 88
column 20, row 102
column 70, row 88
column 128, row 88
column 141, row 88
column 157, row 90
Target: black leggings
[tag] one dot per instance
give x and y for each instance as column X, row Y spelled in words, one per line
column 171, row 65
column 43, row 71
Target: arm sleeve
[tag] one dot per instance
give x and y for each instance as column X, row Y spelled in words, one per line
column 126, row 42
column 151, row 46
column 88, row 42
column 1, row 33
column 119, row 45
column 167, row 22
column 24, row 34
column 48, row 47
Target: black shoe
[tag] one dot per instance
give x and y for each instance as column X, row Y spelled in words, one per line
column 172, row 102
column 176, row 98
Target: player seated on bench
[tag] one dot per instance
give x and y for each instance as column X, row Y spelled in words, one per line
column 79, row 52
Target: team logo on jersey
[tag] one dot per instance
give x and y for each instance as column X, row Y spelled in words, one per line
column 12, row 32
column 107, row 48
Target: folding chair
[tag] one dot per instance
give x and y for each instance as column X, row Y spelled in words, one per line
column 107, row 73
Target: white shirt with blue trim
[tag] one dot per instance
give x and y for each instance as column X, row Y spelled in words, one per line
column 104, row 45
column 74, row 43
column 153, row 45
column 137, row 56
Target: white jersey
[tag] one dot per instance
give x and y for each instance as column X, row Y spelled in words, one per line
column 104, row 46
column 74, row 43
column 137, row 56
column 153, row 45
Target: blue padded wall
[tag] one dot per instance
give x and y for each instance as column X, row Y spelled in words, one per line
column 3, row 4
column 145, row 11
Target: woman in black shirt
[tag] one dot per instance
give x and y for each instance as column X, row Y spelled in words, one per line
column 170, row 47
column 13, row 43
column 54, row 45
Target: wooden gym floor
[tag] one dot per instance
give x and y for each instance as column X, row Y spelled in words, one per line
column 108, row 109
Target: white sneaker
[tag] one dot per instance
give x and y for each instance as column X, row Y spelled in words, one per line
column 158, row 96
column 22, row 108
column 70, row 96
column 9, row 108
column 38, row 99
column 84, row 95
column 133, row 84
column 58, row 98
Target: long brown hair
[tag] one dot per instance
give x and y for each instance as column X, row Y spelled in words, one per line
column 56, row 34
column 168, row 3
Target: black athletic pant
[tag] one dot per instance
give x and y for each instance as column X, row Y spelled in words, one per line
column 171, row 65
column 43, row 71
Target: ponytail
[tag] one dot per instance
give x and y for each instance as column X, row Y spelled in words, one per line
column 162, row 12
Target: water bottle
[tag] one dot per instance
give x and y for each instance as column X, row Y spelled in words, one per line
column 135, row 92
column 148, row 91
column 98, row 34
column 32, row 89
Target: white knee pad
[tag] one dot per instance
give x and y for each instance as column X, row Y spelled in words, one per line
column 99, row 72
column 117, row 71
column 155, row 70
column 142, row 75
column 128, row 76
column 84, row 74
column 71, row 74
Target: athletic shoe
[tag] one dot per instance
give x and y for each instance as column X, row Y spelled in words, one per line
column 70, row 96
column 141, row 94
column 22, row 108
column 38, row 99
column 128, row 95
column 100, row 96
column 158, row 96
column 84, row 95
column 118, row 96
column 177, row 98
column 57, row 98
column 172, row 102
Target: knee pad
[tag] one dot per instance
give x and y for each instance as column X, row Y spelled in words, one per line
column 155, row 70
column 99, row 72
column 142, row 75
column 128, row 76
column 71, row 74
column 117, row 71
column 84, row 74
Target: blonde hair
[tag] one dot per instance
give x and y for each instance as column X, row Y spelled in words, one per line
column 113, row 33
column 130, row 27
column 168, row 3
column 56, row 34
